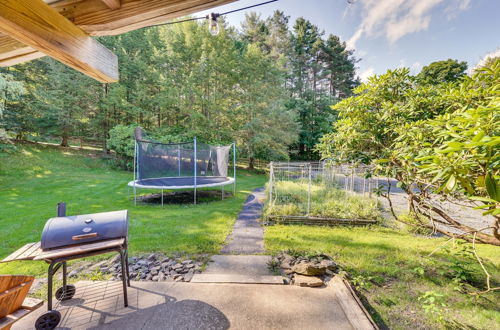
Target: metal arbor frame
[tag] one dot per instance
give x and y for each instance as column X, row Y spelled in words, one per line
column 195, row 171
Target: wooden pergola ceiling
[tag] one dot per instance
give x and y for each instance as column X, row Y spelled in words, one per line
column 63, row 29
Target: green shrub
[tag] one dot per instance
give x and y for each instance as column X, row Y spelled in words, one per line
column 121, row 141
column 282, row 210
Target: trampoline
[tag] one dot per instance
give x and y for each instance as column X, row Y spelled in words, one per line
column 182, row 182
column 180, row 166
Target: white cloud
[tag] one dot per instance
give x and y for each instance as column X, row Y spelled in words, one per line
column 366, row 74
column 482, row 61
column 415, row 67
column 394, row 19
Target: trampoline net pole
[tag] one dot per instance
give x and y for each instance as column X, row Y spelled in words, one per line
column 195, row 165
column 234, row 168
column 135, row 165
column 179, row 159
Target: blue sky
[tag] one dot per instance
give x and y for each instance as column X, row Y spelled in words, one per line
column 387, row 34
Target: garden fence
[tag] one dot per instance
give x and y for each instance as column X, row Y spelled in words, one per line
column 298, row 181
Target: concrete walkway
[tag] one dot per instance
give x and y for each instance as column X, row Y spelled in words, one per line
column 247, row 236
column 174, row 305
column 238, row 262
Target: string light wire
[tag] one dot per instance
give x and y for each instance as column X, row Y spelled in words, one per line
column 214, row 15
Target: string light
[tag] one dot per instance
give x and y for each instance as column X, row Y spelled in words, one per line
column 213, row 26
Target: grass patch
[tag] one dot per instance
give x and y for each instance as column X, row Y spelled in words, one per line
column 35, row 178
column 391, row 270
column 291, row 198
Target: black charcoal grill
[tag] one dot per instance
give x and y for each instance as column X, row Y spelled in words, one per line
column 66, row 238
column 63, row 231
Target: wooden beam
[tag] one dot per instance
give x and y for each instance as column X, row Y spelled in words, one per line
column 10, row 61
column 96, row 18
column 10, row 47
column 39, row 26
column 112, row 4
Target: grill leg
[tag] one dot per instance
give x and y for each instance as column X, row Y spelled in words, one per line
column 65, row 272
column 126, row 266
column 49, row 286
column 124, row 278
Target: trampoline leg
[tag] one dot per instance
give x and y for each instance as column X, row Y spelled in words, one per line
column 162, row 197
column 135, row 197
column 222, row 192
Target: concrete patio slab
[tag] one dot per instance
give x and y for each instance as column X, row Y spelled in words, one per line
column 238, row 264
column 99, row 305
column 236, row 278
column 238, row 269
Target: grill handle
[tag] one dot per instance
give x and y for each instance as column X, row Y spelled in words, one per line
column 84, row 236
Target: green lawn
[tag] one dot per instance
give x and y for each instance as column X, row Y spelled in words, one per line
column 391, row 270
column 389, row 267
column 36, row 177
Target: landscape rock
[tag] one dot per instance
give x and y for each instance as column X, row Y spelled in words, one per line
column 151, row 267
column 307, row 268
column 307, row 281
column 177, row 266
column 329, row 264
column 189, row 275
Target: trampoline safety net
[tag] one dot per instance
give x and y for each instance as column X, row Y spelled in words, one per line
column 155, row 160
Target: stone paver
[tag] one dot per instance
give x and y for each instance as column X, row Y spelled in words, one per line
column 99, row 305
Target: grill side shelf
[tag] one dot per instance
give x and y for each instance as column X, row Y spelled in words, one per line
column 27, row 252
column 79, row 249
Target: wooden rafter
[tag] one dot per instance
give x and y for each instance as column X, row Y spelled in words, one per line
column 36, row 24
column 112, row 4
column 97, row 19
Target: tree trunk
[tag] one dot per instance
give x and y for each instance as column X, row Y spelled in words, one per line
column 65, row 142
column 251, row 163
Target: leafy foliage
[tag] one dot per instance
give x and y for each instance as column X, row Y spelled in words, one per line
column 442, row 72
column 179, row 81
column 434, row 139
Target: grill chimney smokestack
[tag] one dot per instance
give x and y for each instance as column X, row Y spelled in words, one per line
column 61, row 209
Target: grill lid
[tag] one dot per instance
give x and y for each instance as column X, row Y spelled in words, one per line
column 80, row 229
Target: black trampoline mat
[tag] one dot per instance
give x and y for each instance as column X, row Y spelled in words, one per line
column 182, row 181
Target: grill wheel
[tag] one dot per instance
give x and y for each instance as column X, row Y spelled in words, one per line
column 63, row 295
column 48, row 320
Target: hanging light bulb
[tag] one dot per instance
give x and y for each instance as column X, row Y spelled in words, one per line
column 213, row 27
